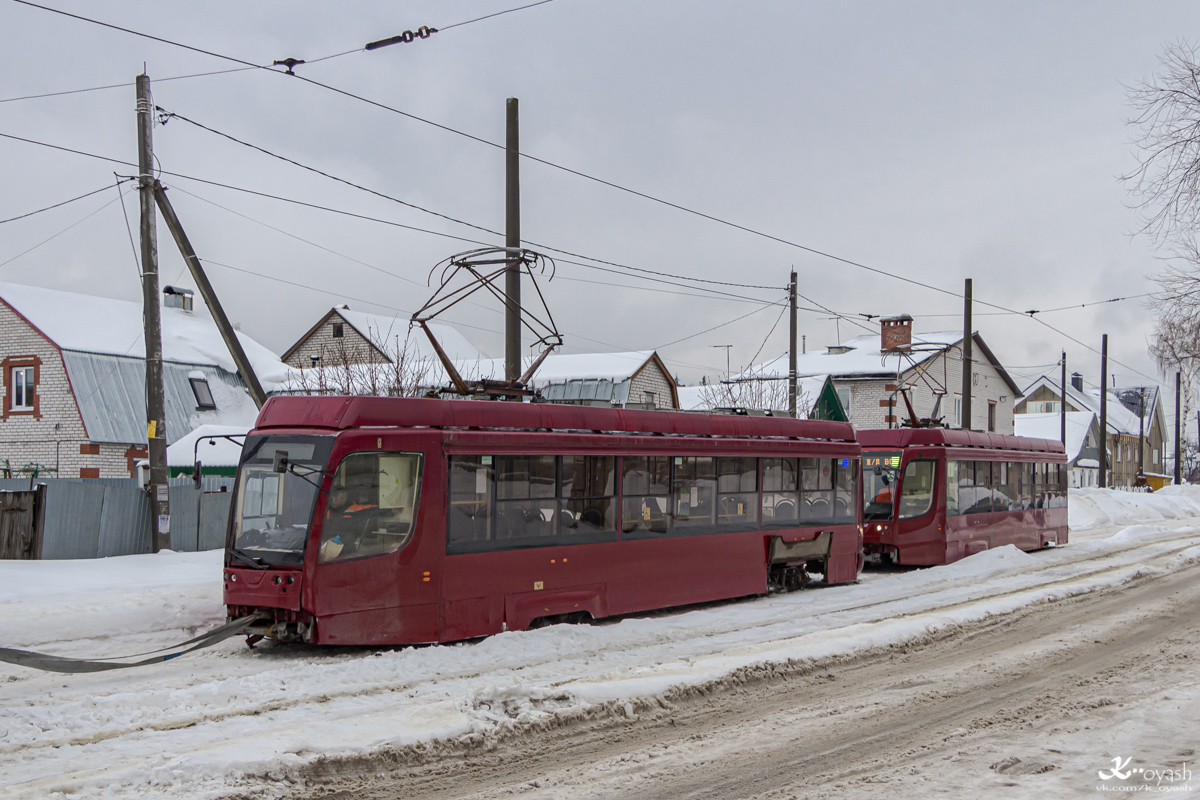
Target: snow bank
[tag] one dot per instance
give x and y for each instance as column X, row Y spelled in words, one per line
column 1101, row 508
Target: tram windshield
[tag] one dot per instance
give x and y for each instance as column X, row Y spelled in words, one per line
column 880, row 476
column 274, row 509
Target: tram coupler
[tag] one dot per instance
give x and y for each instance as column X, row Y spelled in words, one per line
column 880, row 555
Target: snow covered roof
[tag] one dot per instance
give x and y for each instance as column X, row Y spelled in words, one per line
column 212, row 452
column 379, row 329
column 90, row 324
column 1120, row 419
column 691, row 398
column 1049, row 426
column 861, row 357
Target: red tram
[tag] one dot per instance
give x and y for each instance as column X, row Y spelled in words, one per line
column 932, row 496
column 368, row 520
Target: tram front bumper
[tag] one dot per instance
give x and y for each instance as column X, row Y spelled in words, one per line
column 263, row 588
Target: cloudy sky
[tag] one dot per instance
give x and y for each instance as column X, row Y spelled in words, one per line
column 934, row 141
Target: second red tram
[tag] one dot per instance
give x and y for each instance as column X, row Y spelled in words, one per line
column 933, row 496
column 367, row 520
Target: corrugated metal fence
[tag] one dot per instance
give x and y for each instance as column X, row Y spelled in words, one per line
column 95, row 518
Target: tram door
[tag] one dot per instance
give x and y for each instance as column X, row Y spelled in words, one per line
column 917, row 530
column 375, row 577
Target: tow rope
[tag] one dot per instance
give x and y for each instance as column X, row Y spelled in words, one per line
column 49, row 663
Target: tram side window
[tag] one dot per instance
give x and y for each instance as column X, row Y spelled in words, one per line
column 781, row 487
column 372, row 505
column 816, row 490
column 846, row 490
column 646, row 493
column 469, row 517
column 1004, row 494
column 693, row 492
column 1039, row 485
column 526, row 504
column 1062, row 485
column 588, row 504
column 952, row 488
column 737, row 493
column 1027, row 498
column 916, row 488
column 977, row 499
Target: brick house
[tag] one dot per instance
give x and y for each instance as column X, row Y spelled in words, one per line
column 73, row 373
column 344, row 336
column 1131, row 409
column 867, row 373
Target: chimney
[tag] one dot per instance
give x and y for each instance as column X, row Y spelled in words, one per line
column 895, row 333
column 175, row 297
column 1077, row 381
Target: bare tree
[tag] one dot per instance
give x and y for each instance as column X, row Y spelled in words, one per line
column 1166, row 185
column 392, row 367
column 757, row 392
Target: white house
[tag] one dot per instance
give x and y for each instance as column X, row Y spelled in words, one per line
column 868, row 373
column 74, row 379
column 1083, row 441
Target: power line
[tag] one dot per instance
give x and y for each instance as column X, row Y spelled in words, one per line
column 714, row 327
column 459, row 238
column 61, row 232
column 123, row 85
column 104, row 188
column 258, row 148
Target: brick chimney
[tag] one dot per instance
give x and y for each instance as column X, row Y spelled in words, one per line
column 895, row 333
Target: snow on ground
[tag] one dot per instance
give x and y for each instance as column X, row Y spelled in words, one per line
column 228, row 718
column 1101, row 508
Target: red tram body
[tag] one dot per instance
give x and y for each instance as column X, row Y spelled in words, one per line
column 933, row 496
column 368, row 520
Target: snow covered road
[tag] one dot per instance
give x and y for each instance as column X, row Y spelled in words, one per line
column 231, row 719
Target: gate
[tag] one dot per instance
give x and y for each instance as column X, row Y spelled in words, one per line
column 22, row 522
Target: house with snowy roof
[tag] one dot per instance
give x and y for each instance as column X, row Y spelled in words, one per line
column 1083, row 441
column 359, row 353
column 345, row 337
column 1135, row 416
column 74, row 379
column 864, row 380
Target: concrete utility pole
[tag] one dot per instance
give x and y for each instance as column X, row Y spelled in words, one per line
column 792, row 350
column 512, row 242
column 1062, row 408
column 244, row 368
column 968, row 338
column 1178, row 469
column 1104, row 412
column 156, row 423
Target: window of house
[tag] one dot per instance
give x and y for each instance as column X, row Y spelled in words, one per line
column 338, row 330
column 1155, row 452
column 649, row 399
column 991, row 417
column 958, row 412
column 843, row 393
column 22, row 389
column 204, row 398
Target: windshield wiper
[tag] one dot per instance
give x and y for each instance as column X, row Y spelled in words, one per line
column 243, row 556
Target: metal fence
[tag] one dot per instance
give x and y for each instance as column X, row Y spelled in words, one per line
column 95, row 518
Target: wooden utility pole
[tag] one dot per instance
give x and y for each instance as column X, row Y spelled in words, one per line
column 1178, row 468
column 156, row 423
column 512, row 242
column 792, row 349
column 244, row 368
column 1104, row 412
column 968, row 337
column 1062, row 406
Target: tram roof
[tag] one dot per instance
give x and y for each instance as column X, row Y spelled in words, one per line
column 341, row 413
column 947, row 437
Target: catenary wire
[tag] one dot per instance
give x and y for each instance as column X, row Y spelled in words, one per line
column 451, row 236
column 544, row 162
